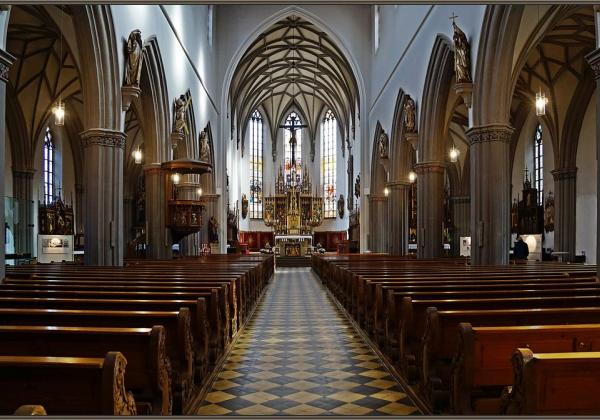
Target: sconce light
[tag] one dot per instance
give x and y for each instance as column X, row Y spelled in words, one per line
column 454, row 152
column 412, row 176
column 137, row 156
column 386, row 191
column 176, row 178
column 199, row 191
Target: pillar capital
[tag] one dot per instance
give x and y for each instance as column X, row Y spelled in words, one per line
column 152, row 168
column 431, row 166
column 397, row 185
column 103, row 137
column 593, row 60
column 490, row 133
column 6, row 61
column 564, row 173
column 23, row 172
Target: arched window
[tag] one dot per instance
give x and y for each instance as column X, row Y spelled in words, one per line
column 538, row 163
column 288, row 149
column 256, row 165
column 49, row 167
column 328, row 149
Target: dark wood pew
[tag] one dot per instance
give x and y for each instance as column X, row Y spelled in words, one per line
column 66, row 385
column 482, row 364
column 547, row 384
column 177, row 324
column 30, row 410
column 148, row 373
column 441, row 339
column 208, row 339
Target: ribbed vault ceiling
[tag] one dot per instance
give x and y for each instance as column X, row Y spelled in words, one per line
column 294, row 65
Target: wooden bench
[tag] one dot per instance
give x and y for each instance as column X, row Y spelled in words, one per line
column 554, row 384
column 148, row 373
column 66, row 385
column 441, row 339
column 177, row 325
column 482, row 365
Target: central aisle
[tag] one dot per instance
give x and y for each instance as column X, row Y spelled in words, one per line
column 299, row 355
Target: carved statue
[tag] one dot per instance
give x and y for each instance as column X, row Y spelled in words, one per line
column 204, row 147
column 383, row 145
column 340, row 206
column 213, row 229
column 134, row 59
column 244, row 206
column 410, row 115
column 357, row 187
column 549, row 213
column 181, row 106
column 462, row 56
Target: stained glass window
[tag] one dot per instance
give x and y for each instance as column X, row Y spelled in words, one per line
column 48, row 167
column 256, row 166
column 328, row 149
column 538, row 163
column 288, row 149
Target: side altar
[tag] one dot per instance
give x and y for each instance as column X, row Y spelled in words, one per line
column 294, row 210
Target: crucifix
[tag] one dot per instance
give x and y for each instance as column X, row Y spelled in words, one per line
column 453, row 17
column 292, row 127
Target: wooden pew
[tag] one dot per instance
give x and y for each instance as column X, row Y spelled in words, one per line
column 148, row 373
column 30, row 410
column 441, row 339
column 554, row 384
column 177, row 325
column 66, row 385
column 482, row 364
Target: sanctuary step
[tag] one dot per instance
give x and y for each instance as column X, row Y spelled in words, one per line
column 284, row 261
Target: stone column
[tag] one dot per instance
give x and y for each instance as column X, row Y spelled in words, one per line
column 379, row 229
column 398, row 217
column 565, row 210
column 128, row 210
column 159, row 240
column 23, row 193
column 5, row 62
column 79, row 203
column 103, row 181
column 593, row 59
column 430, row 209
column 461, row 216
column 490, row 193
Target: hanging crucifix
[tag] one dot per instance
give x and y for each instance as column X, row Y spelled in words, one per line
column 292, row 127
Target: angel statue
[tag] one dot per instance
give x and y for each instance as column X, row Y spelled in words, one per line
column 462, row 56
column 204, row 147
column 134, row 59
column 181, row 106
column 410, row 115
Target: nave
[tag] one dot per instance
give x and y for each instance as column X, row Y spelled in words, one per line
column 299, row 355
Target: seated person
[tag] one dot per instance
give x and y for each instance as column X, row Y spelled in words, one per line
column 521, row 250
column 268, row 249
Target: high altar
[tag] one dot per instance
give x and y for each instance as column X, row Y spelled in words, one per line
column 293, row 211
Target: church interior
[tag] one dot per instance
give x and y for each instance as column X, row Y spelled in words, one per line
column 299, row 209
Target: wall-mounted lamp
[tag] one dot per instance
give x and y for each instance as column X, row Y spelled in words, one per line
column 412, row 176
column 176, row 178
column 137, row 156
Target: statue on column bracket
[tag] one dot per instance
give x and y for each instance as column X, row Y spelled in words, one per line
column 180, row 108
column 134, row 59
column 340, row 206
column 383, row 145
column 204, row 147
column 462, row 55
column 410, row 115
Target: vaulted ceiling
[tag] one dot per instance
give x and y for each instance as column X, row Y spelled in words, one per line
column 44, row 69
column 294, row 65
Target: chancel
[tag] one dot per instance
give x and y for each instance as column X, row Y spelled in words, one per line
column 300, row 209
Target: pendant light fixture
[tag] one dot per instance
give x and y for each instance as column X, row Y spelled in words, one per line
column 540, row 97
column 59, row 109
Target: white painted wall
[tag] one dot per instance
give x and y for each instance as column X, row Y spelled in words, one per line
column 586, row 187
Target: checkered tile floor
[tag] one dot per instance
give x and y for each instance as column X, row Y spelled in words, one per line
column 299, row 356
